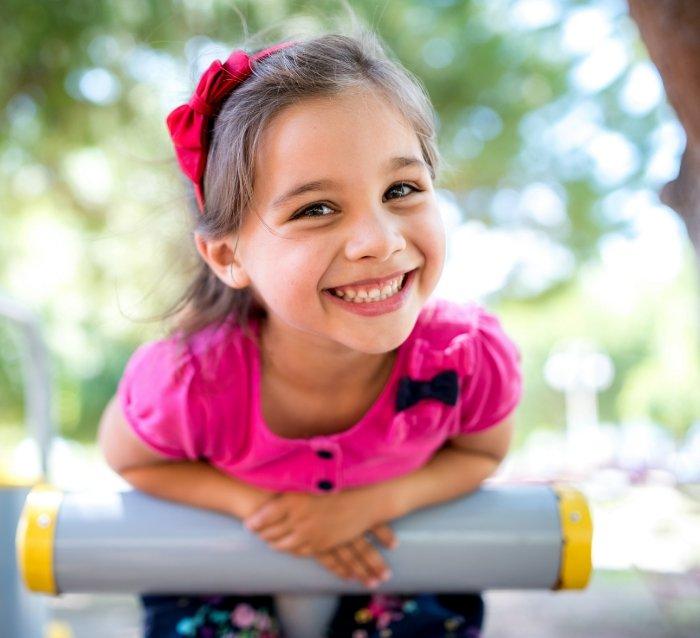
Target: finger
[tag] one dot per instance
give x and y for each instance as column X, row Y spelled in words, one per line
column 385, row 535
column 290, row 543
column 344, row 557
column 371, row 557
column 305, row 550
column 275, row 532
column 272, row 513
column 334, row 564
column 300, row 549
column 357, row 566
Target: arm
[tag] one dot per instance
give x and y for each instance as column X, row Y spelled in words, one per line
column 322, row 521
column 198, row 484
column 456, row 469
column 193, row 483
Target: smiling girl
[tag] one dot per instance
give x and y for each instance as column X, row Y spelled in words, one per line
column 292, row 392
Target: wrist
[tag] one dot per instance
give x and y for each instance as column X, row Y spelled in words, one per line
column 381, row 502
column 250, row 502
column 394, row 498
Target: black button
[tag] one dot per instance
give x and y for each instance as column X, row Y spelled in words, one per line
column 325, row 454
column 325, row 485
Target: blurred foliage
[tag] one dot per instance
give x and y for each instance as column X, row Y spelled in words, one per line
column 92, row 238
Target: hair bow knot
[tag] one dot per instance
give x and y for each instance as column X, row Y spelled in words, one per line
column 190, row 124
column 201, row 106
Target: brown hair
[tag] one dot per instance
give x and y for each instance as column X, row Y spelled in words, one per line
column 324, row 65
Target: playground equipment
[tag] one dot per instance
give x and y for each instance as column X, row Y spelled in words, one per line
column 512, row 537
column 509, row 537
column 24, row 614
column 499, row 537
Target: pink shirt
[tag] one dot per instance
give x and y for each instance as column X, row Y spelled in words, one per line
column 205, row 403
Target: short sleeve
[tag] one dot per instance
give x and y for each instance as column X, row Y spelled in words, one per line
column 155, row 393
column 494, row 388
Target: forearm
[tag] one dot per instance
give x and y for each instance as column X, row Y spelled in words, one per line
column 450, row 473
column 198, row 484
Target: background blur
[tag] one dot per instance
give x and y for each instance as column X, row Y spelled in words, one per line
column 557, row 137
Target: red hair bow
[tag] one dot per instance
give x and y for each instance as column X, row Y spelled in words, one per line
column 189, row 124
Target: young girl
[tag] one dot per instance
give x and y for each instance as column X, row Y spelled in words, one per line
column 312, row 387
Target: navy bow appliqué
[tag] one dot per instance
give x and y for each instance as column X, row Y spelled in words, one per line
column 443, row 386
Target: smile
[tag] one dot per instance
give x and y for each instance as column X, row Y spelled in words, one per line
column 372, row 301
column 370, row 294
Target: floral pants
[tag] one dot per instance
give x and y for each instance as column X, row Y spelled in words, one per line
column 356, row 616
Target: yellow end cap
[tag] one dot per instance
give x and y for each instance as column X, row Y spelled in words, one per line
column 35, row 538
column 577, row 536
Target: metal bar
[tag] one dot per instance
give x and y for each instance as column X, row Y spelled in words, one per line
column 506, row 537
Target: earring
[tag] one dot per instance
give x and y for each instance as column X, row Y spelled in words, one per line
column 230, row 272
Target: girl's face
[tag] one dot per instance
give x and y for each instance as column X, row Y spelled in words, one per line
column 361, row 214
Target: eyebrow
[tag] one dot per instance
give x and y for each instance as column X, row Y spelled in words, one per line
column 393, row 164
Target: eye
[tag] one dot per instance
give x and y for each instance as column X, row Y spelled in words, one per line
column 308, row 211
column 402, row 184
column 305, row 212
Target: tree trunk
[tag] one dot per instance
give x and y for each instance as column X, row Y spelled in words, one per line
column 670, row 30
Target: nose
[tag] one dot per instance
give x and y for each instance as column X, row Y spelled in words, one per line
column 377, row 233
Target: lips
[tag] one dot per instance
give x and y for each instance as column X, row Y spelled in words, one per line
column 378, row 307
column 377, row 283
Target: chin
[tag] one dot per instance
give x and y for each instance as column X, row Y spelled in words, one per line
column 376, row 343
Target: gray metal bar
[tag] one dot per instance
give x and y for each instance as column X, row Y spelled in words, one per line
column 505, row 537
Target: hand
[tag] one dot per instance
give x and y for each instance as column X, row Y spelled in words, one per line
column 305, row 524
column 246, row 507
column 359, row 558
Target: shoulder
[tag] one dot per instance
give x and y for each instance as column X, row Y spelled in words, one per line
column 154, row 393
column 219, row 353
column 157, row 359
column 442, row 319
column 172, row 367
column 452, row 334
column 175, row 392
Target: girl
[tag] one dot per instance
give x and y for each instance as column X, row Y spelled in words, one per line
column 312, row 387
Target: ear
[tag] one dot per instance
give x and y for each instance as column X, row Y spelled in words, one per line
column 222, row 257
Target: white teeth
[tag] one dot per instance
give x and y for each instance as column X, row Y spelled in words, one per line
column 368, row 296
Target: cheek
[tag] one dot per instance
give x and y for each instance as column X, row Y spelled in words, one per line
column 293, row 275
column 431, row 239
